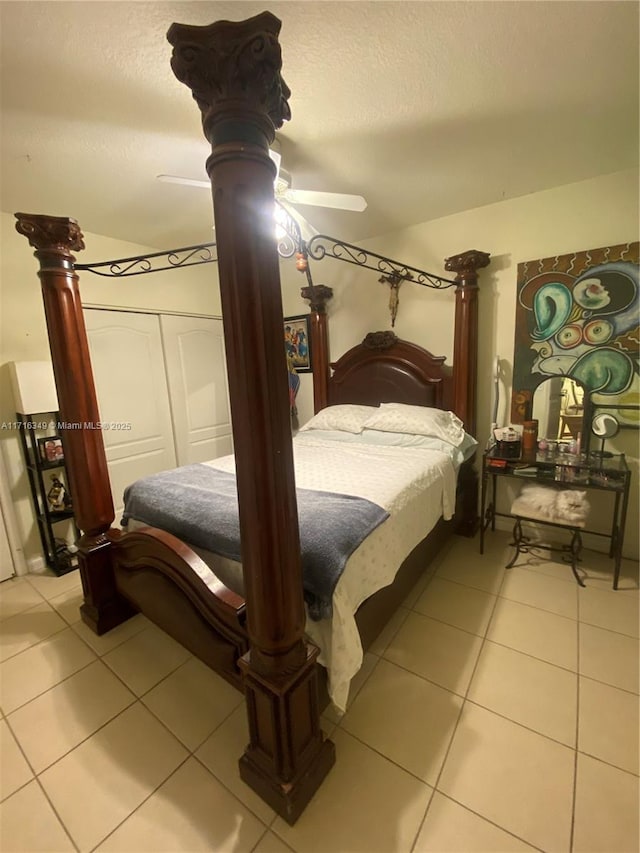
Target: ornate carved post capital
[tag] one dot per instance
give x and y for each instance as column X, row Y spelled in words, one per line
column 380, row 340
column 467, row 264
column 233, row 71
column 318, row 296
column 51, row 233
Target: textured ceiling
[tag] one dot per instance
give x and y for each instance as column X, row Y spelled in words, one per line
column 425, row 108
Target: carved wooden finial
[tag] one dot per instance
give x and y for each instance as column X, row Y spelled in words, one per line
column 50, row 233
column 318, row 296
column 380, row 340
column 233, row 71
column 467, row 264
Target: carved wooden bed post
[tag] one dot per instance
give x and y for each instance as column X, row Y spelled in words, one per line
column 465, row 372
column 318, row 296
column 465, row 352
column 233, row 70
column 54, row 238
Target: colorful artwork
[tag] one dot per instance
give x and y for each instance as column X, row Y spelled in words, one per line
column 578, row 315
column 297, row 344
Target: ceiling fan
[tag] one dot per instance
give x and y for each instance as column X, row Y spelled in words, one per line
column 285, row 193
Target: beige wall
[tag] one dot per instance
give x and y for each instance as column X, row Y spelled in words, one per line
column 599, row 212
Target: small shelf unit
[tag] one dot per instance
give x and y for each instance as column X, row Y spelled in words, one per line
column 34, row 429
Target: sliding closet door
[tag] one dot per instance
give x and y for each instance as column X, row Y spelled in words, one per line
column 197, row 377
column 131, row 386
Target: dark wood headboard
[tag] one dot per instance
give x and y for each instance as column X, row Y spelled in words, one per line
column 385, row 369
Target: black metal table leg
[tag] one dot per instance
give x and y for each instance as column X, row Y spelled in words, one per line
column 518, row 540
column 575, row 548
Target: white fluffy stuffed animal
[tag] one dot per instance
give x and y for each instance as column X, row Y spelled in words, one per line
column 562, row 505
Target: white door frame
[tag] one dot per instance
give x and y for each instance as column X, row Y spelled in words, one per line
column 10, row 525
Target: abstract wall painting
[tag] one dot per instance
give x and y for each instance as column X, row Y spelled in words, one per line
column 578, row 315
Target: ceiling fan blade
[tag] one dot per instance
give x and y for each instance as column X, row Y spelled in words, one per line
column 192, row 182
column 340, row 201
column 187, row 182
column 277, row 159
column 306, row 228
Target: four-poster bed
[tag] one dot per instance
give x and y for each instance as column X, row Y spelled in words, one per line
column 257, row 641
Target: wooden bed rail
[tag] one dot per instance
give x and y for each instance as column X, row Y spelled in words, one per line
column 177, row 590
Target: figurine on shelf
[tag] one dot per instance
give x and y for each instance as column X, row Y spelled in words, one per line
column 57, row 497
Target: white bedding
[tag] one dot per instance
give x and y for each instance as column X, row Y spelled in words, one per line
column 416, row 485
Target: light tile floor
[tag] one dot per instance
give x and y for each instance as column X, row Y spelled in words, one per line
column 498, row 711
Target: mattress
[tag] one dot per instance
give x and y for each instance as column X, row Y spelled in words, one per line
column 415, row 485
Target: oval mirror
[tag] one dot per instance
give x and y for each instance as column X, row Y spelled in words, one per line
column 604, row 425
column 559, row 405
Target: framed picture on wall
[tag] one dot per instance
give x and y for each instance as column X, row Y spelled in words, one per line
column 297, row 344
column 51, row 449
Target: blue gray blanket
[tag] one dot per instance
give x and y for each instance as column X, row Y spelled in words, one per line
column 199, row 504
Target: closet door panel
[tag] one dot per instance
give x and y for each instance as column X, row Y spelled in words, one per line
column 128, row 366
column 197, row 377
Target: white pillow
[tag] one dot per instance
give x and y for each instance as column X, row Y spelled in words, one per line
column 398, row 439
column 418, row 420
column 347, row 417
column 329, row 435
column 464, row 450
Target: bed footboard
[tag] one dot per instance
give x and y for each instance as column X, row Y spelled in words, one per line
column 163, row 579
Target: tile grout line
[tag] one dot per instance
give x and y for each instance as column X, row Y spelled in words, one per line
column 55, row 811
column 520, row 725
column 24, row 755
column 140, row 804
column 429, row 578
column 609, row 764
column 85, row 739
column 192, row 753
column 490, row 821
column 145, row 627
column 467, row 700
column 135, row 699
column 41, row 640
column 429, row 581
column 7, row 714
column 233, row 794
column 457, row 722
column 577, row 739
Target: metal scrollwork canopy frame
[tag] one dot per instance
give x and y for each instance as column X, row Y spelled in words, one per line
column 290, row 243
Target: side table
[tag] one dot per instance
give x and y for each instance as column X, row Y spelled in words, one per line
column 587, row 471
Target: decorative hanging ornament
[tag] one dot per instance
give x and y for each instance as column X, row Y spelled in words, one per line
column 394, row 281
